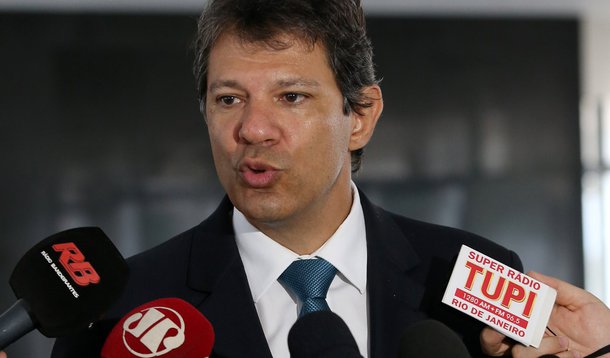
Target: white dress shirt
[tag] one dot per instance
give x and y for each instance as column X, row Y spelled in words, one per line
column 265, row 260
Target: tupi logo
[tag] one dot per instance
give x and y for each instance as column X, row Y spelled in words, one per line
column 73, row 260
column 153, row 332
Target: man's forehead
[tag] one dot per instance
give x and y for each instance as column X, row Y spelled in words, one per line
column 229, row 77
column 277, row 41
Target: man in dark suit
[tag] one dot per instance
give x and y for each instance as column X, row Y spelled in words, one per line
column 290, row 98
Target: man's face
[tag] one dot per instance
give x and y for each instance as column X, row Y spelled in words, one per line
column 279, row 137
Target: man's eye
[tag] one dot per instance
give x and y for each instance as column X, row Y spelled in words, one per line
column 228, row 100
column 293, row 97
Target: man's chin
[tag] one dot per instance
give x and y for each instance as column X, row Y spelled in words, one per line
column 262, row 209
column 260, row 216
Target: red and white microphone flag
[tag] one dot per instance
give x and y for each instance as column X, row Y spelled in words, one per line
column 505, row 299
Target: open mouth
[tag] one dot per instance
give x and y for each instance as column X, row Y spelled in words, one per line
column 258, row 176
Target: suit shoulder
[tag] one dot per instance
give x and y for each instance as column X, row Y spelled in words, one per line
column 161, row 271
column 159, row 254
column 433, row 239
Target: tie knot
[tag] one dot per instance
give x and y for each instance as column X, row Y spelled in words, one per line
column 309, row 280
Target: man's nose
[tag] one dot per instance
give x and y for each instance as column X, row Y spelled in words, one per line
column 258, row 125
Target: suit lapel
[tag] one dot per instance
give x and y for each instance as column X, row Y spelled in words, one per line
column 216, row 268
column 394, row 295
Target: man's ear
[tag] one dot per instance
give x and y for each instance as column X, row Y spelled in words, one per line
column 363, row 123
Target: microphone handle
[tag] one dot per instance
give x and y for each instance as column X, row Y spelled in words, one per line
column 14, row 323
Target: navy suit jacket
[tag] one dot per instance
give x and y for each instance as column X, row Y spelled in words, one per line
column 409, row 264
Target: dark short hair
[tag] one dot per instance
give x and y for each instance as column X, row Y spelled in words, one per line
column 338, row 25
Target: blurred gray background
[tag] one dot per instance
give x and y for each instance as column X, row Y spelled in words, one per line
column 99, row 125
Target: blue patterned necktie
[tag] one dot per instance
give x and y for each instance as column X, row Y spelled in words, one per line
column 309, row 280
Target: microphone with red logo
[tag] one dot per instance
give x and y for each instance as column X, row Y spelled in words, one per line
column 63, row 284
column 167, row 327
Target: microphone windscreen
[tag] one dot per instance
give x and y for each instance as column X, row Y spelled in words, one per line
column 430, row 338
column 167, row 327
column 69, row 280
column 321, row 334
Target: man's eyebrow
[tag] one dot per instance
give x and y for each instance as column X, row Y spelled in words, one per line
column 298, row 82
column 223, row 83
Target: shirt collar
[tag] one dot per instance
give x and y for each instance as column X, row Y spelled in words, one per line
column 265, row 260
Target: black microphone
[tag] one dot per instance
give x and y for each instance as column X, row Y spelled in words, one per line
column 63, row 284
column 430, row 338
column 321, row 334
